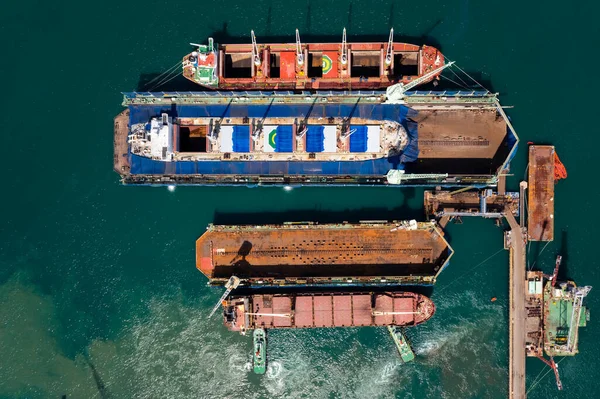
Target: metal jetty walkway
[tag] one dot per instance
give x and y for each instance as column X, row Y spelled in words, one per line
column 516, row 388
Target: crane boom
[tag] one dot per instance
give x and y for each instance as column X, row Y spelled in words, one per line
column 552, row 364
column 390, row 48
column 395, row 93
column 299, row 54
column 255, row 55
column 344, row 48
column 230, row 285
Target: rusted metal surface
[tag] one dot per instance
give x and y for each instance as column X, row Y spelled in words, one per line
column 120, row 150
column 540, row 225
column 310, row 253
column 326, row 310
column 451, row 133
column 279, row 69
column 440, row 202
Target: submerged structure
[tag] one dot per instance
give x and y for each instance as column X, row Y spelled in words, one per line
column 300, row 66
column 300, row 254
column 242, row 313
column 326, row 138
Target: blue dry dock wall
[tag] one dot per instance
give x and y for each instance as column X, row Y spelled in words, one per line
column 399, row 113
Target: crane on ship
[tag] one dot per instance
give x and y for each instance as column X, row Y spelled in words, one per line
column 390, row 48
column 344, row 58
column 552, row 364
column 255, row 54
column 395, row 93
column 299, row 54
column 230, row 285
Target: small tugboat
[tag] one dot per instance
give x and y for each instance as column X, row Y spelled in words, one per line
column 406, row 352
column 260, row 351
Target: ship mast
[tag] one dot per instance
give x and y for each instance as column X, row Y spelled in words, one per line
column 255, row 56
column 344, row 57
column 299, row 55
column 390, row 48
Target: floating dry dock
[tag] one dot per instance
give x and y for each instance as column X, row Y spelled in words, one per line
column 326, row 310
column 325, row 138
column 329, row 254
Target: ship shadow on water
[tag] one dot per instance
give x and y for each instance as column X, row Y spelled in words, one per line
column 222, row 36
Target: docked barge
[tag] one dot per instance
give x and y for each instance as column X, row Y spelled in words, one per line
column 294, row 254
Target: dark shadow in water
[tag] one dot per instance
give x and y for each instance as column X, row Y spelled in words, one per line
column 349, row 27
column 322, row 216
column 269, row 20
column 222, row 36
column 563, row 272
column 102, row 391
column 308, row 16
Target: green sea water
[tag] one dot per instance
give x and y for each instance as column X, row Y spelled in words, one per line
column 99, row 296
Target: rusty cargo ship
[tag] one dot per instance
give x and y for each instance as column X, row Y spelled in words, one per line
column 322, row 310
column 306, row 254
column 300, row 66
column 327, row 138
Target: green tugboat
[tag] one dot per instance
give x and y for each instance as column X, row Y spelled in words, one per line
column 402, row 344
column 260, row 351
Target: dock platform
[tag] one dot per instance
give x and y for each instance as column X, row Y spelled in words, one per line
column 517, row 314
column 541, row 193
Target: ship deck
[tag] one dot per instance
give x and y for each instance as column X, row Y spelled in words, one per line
column 320, row 252
column 120, row 147
column 331, row 310
column 459, row 134
column 541, row 193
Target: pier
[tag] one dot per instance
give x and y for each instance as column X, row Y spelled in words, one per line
column 517, row 315
column 525, row 289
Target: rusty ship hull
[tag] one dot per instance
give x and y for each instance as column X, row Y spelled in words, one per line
column 323, row 310
column 369, row 253
column 309, row 66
